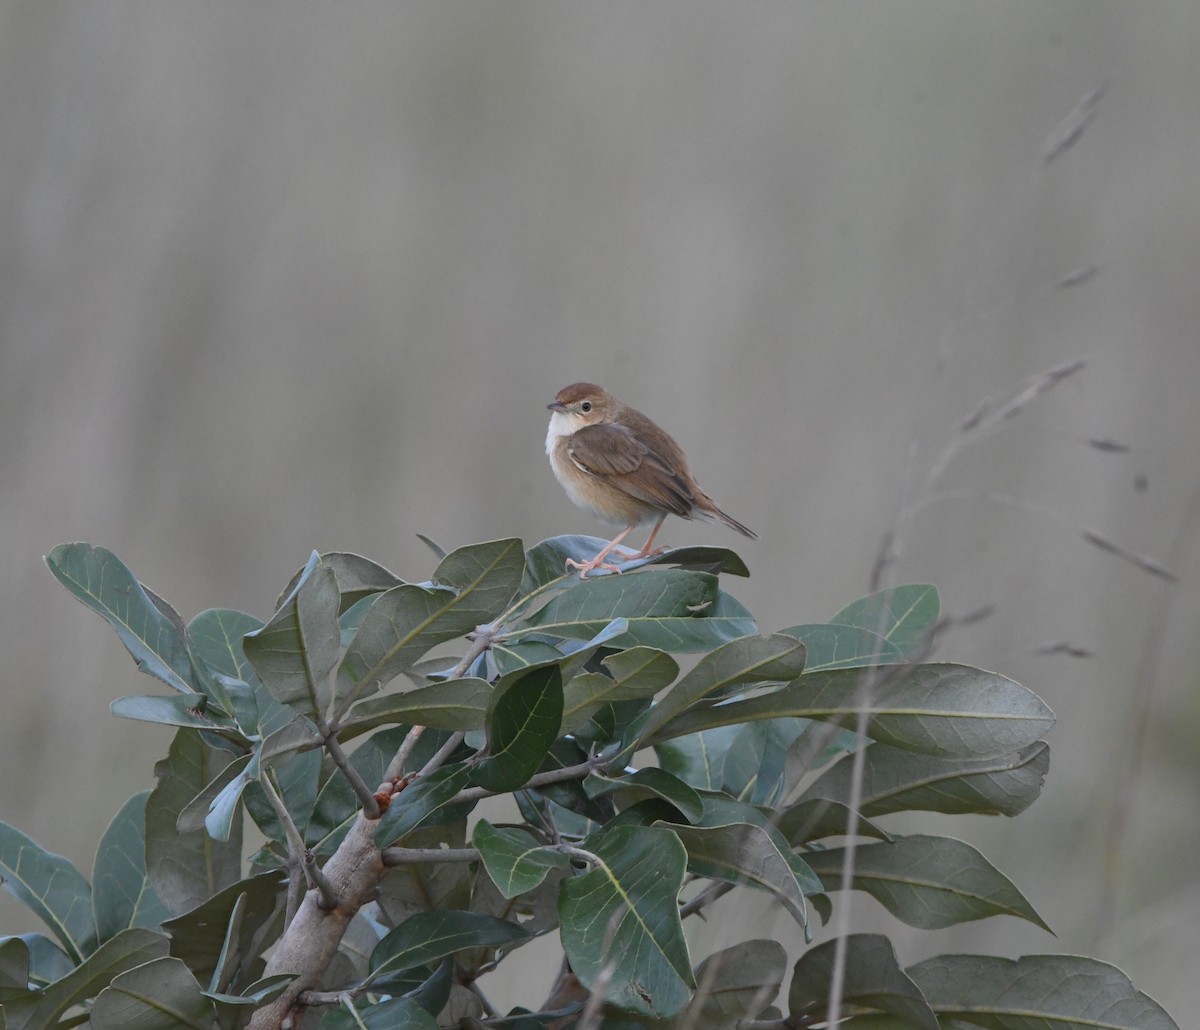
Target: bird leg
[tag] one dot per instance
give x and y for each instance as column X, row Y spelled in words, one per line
column 646, row 551
column 598, row 562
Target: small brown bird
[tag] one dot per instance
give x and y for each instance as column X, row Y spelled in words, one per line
column 615, row 462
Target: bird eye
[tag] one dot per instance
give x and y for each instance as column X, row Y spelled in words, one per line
column 585, row 407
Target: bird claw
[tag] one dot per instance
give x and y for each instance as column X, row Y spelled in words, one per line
column 585, row 567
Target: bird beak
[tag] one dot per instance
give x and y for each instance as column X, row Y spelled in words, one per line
column 557, row 406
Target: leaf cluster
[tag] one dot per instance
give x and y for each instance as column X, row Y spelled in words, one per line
column 656, row 749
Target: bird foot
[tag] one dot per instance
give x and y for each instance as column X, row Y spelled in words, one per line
column 585, row 567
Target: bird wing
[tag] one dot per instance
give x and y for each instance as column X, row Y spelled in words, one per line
column 612, row 453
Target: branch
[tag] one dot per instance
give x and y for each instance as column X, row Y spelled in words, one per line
column 704, row 898
column 583, row 856
column 315, row 878
column 365, row 795
column 481, row 640
column 414, row 856
column 442, row 755
column 310, row 942
column 295, row 842
column 400, row 760
column 570, row 772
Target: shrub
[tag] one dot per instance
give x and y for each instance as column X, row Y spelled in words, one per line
column 639, row 794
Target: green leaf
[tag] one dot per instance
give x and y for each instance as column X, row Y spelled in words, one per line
column 734, row 984
column 458, row 704
column 483, row 576
column 523, row 723
column 897, row 781
column 698, row 758
column 737, row 843
column 546, row 562
column 635, row 673
column 470, row 587
column 744, row 853
column 127, row 950
column 256, row 994
column 698, row 557
column 178, row 710
column 121, row 893
column 756, row 764
column 843, row 647
column 928, row 882
column 650, row 783
column 903, row 616
column 357, row 577
column 195, row 813
column 296, row 651
column 513, row 859
column 46, row 960
column 622, row 918
column 198, row 937
column 816, row 818
column 953, row 711
column 51, row 887
column 215, row 637
column 1036, row 992
column 214, row 672
column 160, row 995
column 873, row 981
column 102, row 582
column 393, row 1014
column 522, row 654
column 296, row 780
column 419, row 802
column 186, row 868
column 669, row 609
column 14, row 966
column 426, row 937
column 744, row 661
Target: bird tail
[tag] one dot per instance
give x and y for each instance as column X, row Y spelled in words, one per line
column 733, row 523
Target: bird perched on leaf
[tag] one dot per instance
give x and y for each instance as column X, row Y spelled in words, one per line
column 618, row 464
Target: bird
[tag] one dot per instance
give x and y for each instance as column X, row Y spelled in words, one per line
column 618, row 464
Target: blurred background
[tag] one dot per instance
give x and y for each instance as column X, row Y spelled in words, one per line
column 283, row 276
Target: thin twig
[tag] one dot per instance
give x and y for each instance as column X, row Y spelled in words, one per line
column 400, row 759
column 704, row 898
column 581, row 854
column 481, row 640
column 365, row 795
column 414, row 856
column 297, row 851
column 312, row 873
column 570, row 772
column 295, row 869
column 328, row 997
column 442, row 755
column 295, row 842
